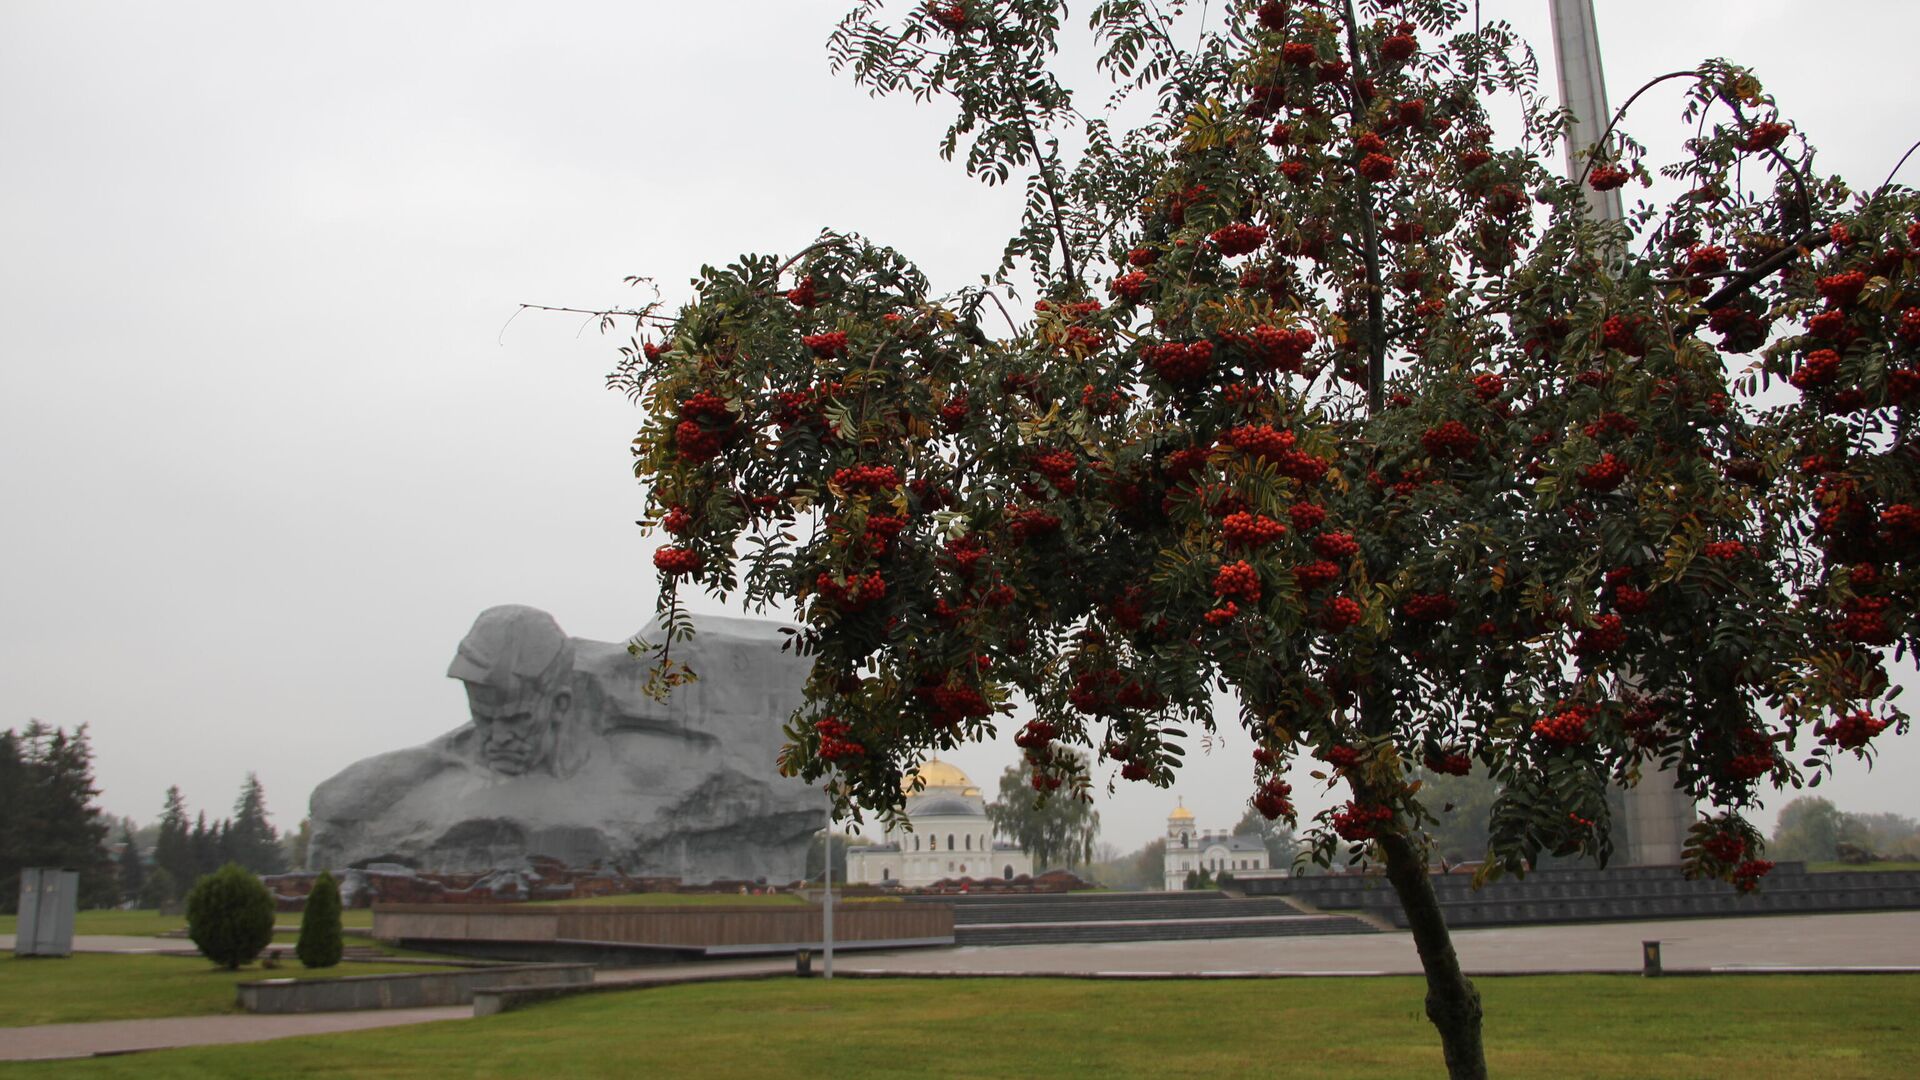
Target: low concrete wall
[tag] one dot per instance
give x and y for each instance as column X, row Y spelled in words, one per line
column 351, row 992
column 714, row 930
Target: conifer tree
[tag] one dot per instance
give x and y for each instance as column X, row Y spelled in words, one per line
column 321, row 943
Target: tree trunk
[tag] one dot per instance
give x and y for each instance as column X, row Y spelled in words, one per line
column 1452, row 1002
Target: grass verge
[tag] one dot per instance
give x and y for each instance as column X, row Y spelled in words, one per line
column 148, row 923
column 107, row 986
column 1838, row 1027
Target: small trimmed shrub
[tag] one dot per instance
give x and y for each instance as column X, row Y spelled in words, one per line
column 320, row 942
column 230, row 916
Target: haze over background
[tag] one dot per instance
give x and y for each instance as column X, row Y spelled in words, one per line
column 271, row 441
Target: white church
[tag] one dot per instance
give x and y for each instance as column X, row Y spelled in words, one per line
column 1191, row 849
column 949, row 837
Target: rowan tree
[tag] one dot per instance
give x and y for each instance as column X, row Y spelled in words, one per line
column 1333, row 400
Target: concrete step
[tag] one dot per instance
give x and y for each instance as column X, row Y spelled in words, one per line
column 1157, row 930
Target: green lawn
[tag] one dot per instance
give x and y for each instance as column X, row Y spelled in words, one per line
column 1569, row 1026
column 107, row 986
column 1844, row 868
column 148, row 923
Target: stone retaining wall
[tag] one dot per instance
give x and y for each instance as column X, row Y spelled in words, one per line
column 353, row 992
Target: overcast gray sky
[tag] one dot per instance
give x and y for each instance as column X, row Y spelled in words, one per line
column 267, row 447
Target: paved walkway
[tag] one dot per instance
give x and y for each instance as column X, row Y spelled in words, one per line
column 1871, row 940
column 1868, row 942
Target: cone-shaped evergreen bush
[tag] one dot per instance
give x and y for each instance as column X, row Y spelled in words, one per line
column 230, row 916
column 320, row 945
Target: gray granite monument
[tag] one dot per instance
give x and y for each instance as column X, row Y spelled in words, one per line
column 565, row 755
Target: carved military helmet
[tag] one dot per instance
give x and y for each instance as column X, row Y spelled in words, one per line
column 513, row 648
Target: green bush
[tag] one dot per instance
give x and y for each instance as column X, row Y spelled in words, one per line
column 320, row 945
column 230, row 916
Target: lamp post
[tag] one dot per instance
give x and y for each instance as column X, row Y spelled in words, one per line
column 826, row 903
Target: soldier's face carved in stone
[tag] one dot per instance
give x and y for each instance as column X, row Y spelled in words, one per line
column 518, row 728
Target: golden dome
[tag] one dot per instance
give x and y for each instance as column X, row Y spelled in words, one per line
column 1180, row 813
column 939, row 776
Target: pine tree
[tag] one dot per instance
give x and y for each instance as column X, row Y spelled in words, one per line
column 47, row 815
column 173, row 848
column 251, row 840
column 320, row 943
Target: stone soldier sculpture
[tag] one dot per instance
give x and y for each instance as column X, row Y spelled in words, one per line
column 565, row 755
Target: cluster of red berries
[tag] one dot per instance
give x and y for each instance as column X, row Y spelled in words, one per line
column 1902, row 521
column 1610, row 423
column 1237, row 580
column 1223, row 614
column 953, row 414
column 674, row 561
column 677, row 520
column 1238, row 238
column 1725, row 847
column 1910, row 326
column 1865, row 621
column 1243, row 529
column 830, row 344
column 856, row 593
column 951, row 17
column 1109, row 403
column 1631, row 600
column 1274, row 800
column 803, row 295
column 1400, row 45
column 1454, row 763
column 950, row 704
column 834, row 744
column 1746, row 876
column 1307, row 516
column 1031, row 523
column 1359, row 821
column 1607, row 634
column 1706, row 259
column 1058, row 467
column 1178, row 363
column 1817, row 368
column 1842, row 290
column 1488, row 385
column 1472, row 158
column 967, row 551
column 1608, row 177
column 1726, row 550
column 1765, row 136
column 1340, row 613
column 1622, row 334
column 1340, row 756
column 706, row 405
column 1378, row 168
column 1336, row 545
column 1853, row 731
column 1451, row 439
column 1300, row 53
column 1745, row 767
column 1603, row 475
column 1130, row 287
column 695, row 442
column 1566, row 727
column 1430, row 607
column 1261, row 441
column 1037, row 735
column 1315, row 575
column 1269, row 348
column 869, row 477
